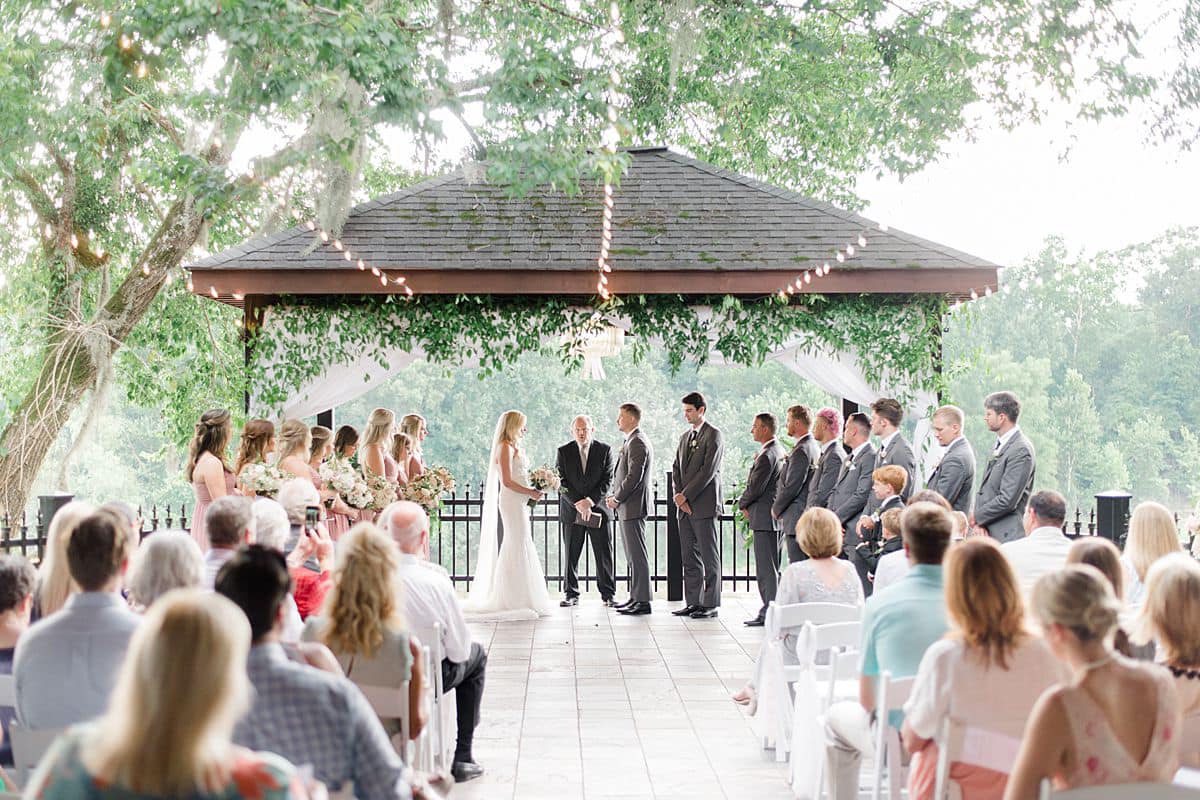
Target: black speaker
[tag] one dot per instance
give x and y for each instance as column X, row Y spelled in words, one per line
column 1112, row 515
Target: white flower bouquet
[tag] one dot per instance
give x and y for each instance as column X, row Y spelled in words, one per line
column 339, row 475
column 360, row 495
column 426, row 489
column 544, row 479
column 382, row 491
column 262, row 479
column 443, row 477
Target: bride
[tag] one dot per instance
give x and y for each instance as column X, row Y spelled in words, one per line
column 508, row 585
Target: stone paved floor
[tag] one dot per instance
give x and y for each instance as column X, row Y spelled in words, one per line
column 590, row 704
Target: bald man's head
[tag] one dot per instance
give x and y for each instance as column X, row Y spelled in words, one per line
column 582, row 428
column 407, row 524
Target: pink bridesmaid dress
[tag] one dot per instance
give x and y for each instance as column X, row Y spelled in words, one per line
column 203, row 499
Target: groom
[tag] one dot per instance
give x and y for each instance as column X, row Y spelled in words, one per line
column 586, row 468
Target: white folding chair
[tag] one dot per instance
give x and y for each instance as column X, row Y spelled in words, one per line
column 443, row 706
column 28, row 747
column 968, row 745
column 8, row 691
column 843, row 667
column 390, row 702
column 1121, row 791
column 422, row 746
column 892, row 694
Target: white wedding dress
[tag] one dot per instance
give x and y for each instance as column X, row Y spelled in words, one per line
column 509, row 585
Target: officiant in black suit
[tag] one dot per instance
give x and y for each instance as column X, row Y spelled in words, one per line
column 586, row 469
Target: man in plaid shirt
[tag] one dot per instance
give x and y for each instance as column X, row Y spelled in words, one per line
column 304, row 714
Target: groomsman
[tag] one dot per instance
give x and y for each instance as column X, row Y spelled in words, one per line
column 826, row 431
column 696, row 474
column 954, row 476
column 894, row 450
column 799, row 467
column 755, row 504
column 853, row 485
column 586, row 469
column 631, row 501
column 1008, row 477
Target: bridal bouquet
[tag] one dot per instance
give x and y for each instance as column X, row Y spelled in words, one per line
column 262, row 479
column 544, row 479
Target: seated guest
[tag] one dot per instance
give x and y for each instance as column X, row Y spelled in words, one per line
column 1044, row 546
column 1152, row 535
column 186, row 664
column 1116, row 721
column 306, row 715
column 166, row 560
column 987, row 654
column 54, row 583
column 17, row 578
column 1104, row 556
column 1171, row 617
column 888, row 563
column 430, row 598
column 132, row 518
column 363, row 624
column 229, row 523
column 821, row 577
column 271, row 524
column 66, row 665
column 309, row 549
column 899, row 623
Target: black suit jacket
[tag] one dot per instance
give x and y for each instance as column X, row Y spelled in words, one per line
column 578, row 483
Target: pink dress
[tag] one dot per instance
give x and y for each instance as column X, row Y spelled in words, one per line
column 1100, row 756
column 198, row 511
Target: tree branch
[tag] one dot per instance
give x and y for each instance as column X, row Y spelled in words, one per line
column 162, row 122
column 567, row 14
column 42, row 205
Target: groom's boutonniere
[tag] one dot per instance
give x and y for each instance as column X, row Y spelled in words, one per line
column 693, row 444
column 851, row 466
column 992, row 458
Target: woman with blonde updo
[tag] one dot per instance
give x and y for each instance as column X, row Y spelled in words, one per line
column 338, row 514
column 54, row 582
column 1152, row 535
column 413, row 426
column 402, row 445
column 258, row 444
column 1117, row 721
column 376, row 443
column 207, row 470
column 363, row 623
column 295, row 441
column 187, row 661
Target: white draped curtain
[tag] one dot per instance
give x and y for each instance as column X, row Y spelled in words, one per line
column 841, row 374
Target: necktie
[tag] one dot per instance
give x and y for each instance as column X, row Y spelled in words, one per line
column 583, row 450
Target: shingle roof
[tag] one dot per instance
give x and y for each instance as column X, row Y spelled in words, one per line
column 672, row 212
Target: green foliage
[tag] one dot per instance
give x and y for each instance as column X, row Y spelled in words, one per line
column 898, row 336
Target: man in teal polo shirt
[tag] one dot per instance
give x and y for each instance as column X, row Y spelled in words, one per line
column 899, row 623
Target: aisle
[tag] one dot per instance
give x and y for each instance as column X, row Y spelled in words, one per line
column 590, row 704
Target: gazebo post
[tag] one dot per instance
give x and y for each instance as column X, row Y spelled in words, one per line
column 252, row 319
column 325, row 418
column 848, row 407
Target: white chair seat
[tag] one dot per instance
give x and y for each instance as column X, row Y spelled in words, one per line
column 28, row 747
column 1122, row 791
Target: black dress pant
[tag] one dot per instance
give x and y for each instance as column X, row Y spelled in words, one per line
column 601, row 551
column 466, row 679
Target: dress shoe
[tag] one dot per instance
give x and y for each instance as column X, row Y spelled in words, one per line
column 704, row 613
column 686, row 611
column 465, row 771
column 757, row 622
column 610, row 603
column 624, row 604
column 570, row 601
column 635, row 609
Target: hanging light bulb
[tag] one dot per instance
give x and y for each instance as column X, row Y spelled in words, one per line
column 850, row 250
column 862, row 240
column 808, row 277
column 141, row 70
column 124, row 42
column 361, row 265
column 841, row 258
column 105, row 20
column 190, row 286
column 312, row 226
column 212, row 290
column 383, row 280
column 883, row 226
column 324, row 236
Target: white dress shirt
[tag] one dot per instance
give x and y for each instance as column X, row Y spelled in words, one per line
column 214, row 559
column 429, row 597
column 1003, row 440
column 1043, row 550
column 890, row 569
column 886, row 441
column 65, row 665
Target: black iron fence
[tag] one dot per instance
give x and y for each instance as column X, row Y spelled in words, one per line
column 454, row 537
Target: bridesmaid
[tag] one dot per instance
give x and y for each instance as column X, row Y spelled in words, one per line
column 258, row 443
column 207, row 471
column 322, row 448
column 376, row 441
column 345, row 445
column 401, row 450
column 295, row 441
column 414, row 426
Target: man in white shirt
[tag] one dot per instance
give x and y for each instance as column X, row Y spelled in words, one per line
column 229, row 522
column 1044, row 548
column 429, row 598
column 65, row 666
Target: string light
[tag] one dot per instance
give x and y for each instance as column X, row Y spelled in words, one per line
column 609, row 141
column 105, row 20
column 124, row 42
column 806, row 277
column 141, row 70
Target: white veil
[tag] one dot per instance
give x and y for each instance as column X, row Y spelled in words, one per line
column 489, row 548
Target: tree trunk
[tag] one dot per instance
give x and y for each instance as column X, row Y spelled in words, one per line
column 70, row 363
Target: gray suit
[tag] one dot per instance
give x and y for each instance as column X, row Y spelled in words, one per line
column 1005, row 489
column 829, row 466
column 791, row 493
column 898, row 453
column 631, row 490
column 851, row 491
column 954, row 476
column 697, row 474
column 757, row 499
